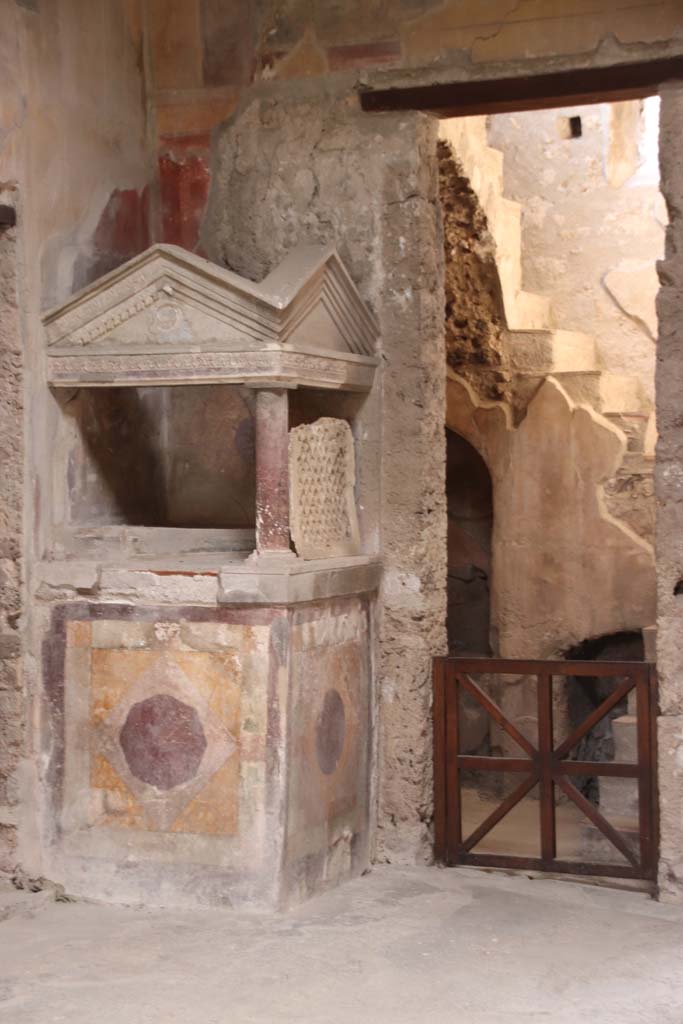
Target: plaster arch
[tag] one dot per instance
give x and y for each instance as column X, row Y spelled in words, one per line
column 565, row 568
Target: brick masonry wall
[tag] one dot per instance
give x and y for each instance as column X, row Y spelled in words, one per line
column 12, row 723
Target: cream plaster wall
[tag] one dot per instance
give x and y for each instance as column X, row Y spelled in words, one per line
column 593, row 221
column 669, row 490
column 72, row 124
column 564, row 569
column 72, row 142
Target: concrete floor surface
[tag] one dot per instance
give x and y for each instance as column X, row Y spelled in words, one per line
column 400, row 946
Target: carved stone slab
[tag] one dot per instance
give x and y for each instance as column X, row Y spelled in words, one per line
column 169, row 317
column 320, row 369
column 322, row 476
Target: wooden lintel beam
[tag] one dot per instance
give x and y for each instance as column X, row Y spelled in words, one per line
column 530, row 92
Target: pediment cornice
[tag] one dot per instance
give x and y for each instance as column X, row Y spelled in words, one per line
column 167, row 305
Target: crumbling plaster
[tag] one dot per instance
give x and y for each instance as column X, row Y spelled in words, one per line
column 203, row 55
column 476, row 340
column 299, row 164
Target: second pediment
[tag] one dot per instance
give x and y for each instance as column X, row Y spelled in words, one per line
column 170, row 300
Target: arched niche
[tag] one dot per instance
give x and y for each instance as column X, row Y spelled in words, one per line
column 469, row 493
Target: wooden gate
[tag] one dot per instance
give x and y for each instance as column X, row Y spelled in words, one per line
column 544, row 764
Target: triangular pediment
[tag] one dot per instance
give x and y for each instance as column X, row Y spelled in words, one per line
column 169, row 300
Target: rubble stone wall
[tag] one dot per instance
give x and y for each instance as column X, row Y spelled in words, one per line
column 297, row 166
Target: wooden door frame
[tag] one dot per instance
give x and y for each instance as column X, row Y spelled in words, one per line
column 575, row 86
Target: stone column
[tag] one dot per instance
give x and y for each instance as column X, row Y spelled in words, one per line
column 272, row 472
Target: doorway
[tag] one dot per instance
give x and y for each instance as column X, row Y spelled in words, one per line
column 469, row 493
column 537, row 359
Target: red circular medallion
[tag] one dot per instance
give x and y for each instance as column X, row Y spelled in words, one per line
column 163, row 741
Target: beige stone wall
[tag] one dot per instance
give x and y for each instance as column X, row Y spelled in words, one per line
column 12, row 709
column 297, row 166
column 73, row 137
column 203, row 52
column 73, row 149
column 593, row 221
column 564, row 570
column 669, row 484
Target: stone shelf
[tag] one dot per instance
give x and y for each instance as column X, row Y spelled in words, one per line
column 242, row 580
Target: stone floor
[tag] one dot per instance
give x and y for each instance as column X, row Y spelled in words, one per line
column 400, row 946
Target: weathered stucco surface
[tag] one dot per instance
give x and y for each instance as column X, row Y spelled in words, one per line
column 564, row 570
column 12, row 695
column 207, row 755
column 73, row 137
column 593, row 221
column 669, row 490
column 72, row 145
column 203, row 54
column 177, row 457
column 197, row 69
column 304, row 166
